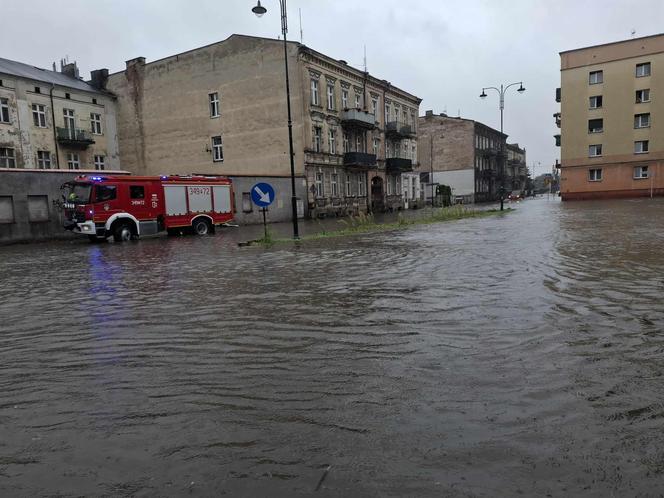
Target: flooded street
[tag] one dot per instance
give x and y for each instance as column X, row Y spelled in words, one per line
column 520, row 354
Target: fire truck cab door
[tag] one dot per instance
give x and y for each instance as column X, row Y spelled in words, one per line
column 139, row 201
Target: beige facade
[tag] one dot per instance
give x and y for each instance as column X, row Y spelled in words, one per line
column 462, row 154
column 54, row 120
column 612, row 123
column 221, row 109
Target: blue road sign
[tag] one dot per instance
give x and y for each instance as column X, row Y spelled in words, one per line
column 262, row 194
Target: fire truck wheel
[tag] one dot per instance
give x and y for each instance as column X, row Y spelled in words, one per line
column 201, row 226
column 122, row 232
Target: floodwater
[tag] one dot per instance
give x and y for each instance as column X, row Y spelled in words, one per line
column 514, row 355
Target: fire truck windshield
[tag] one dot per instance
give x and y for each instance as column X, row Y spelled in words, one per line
column 78, row 193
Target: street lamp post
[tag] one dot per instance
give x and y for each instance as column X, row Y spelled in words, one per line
column 259, row 10
column 501, row 91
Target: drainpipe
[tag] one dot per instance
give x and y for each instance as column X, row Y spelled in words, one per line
column 55, row 136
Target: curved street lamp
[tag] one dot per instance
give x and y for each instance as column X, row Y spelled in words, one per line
column 259, row 10
column 501, row 92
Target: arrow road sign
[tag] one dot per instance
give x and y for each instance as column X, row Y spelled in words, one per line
column 262, row 194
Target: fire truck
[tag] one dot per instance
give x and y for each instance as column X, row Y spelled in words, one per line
column 127, row 207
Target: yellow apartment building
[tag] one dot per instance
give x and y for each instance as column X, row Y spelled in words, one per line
column 612, row 120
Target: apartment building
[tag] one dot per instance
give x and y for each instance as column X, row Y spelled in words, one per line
column 463, row 154
column 54, row 120
column 612, row 120
column 221, row 109
column 516, row 171
column 53, row 126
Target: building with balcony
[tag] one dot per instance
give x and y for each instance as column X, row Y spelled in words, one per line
column 611, row 120
column 221, row 109
column 51, row 123
column 516, row 171
column 463, row 154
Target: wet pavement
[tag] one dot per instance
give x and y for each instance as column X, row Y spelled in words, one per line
column 499, row 356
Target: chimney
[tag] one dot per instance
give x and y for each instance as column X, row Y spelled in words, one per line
column 428, row 114
column 138, row 61
column 98, row 78
column 70, row 70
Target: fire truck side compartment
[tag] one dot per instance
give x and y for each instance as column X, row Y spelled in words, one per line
column 222, row 198
column 176, row 202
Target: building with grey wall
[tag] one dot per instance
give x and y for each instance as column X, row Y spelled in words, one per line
column 221, row 109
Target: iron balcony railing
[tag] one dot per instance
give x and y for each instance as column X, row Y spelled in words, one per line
column 360, row 159
column 399, row 129
column 359, row 118
column 74, row 137
column 398, row 165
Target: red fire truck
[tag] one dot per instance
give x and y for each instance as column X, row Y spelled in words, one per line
column 127, row 207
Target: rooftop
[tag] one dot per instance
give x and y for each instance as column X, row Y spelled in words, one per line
column 21, row 70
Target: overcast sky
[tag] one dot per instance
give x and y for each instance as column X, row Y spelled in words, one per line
column 442, row 51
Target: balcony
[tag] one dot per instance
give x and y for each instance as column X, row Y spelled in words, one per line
column 558, row 95
column 556, row 116
column 74, row 138
column 398, row 129
column 360, row 160
column 358, row 118
column 557, row 137
column 394, row 165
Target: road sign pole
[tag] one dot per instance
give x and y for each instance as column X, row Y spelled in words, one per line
column 264, row 223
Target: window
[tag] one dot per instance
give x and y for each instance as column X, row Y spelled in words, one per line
column 94, row 101
column 67, row 95
column 330, row 95
column 413, row 154
column 314, row 92
column 404, row 116
column 640, row 172
column 214, row 105
column 37, row 89
column 596, row 77
column 39, row 115
column 595, row 150
column 136, row 191
column 595, row 175
column 374, row 106
column 642, row 120
column 7, row 159
column 346, row 143
column 358, row 143
column 73, row 161
column 344, row 98
column 596, row 102
column 38, row 208
column 643, row 96
column 43, row 159
column 95, row 122
column 643, row 70
column 641, row 147
column 595, row 125
column 247, row 204
column 332, row 138
column 70, row 122
column 320, row 191
column 100, row 162
column 349, row 191
column 335, row 184
column 358, row 103
column 387, row 112
column 217, row 149
column 375, row 146
column 6, row 209
column 105, row 193
column 318, row 132
column 361, row 186
column 4, row 111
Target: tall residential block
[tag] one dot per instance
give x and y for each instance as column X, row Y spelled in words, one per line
column 221, row 109
column 465, row 155
column 612, row 120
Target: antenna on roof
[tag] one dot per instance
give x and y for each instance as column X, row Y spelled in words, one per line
column 365, row 58
column 633, row 32
column 301, row 36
